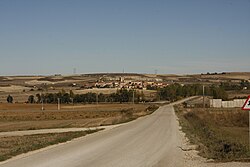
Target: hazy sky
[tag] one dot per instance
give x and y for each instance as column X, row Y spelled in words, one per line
column 171, row 36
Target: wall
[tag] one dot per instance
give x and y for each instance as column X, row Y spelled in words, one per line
column 218, row 103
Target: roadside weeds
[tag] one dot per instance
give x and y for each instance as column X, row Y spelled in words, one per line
column 208, row 140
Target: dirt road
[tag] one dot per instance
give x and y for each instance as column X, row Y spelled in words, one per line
column 150, row 141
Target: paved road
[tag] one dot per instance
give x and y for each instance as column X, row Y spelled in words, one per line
column 151, row 141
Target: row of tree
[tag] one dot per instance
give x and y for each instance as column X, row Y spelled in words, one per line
column 235, row 86
column 121, row 96
column 172, row 92
column 176, row 91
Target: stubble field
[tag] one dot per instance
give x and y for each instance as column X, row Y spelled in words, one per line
column 14, row 117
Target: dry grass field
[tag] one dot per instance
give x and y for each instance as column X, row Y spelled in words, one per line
column 221, row 134
column 30, row 117
column 15, row 145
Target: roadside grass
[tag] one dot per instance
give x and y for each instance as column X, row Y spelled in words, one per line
column 88, row 116
column 220, row 134
column 15, row 145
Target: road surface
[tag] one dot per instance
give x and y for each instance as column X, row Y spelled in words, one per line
column 151, row 141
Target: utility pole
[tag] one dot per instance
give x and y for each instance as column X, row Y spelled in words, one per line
column 97, row 98
column 74, row 71
column 156, row 72
column 133, row 100
column 42, row 105
column 203, row 92
column 58, row 104
column 41, row 100
column 73, row 102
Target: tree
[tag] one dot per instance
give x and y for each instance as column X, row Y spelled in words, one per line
column 101, row 97
column 124, row 95
column 31, row 99
column 50, row 98
column 71, row 94
column 10, row 99
column 176, row 91
column 90, row 97
column 219, row 93
column 65, row 98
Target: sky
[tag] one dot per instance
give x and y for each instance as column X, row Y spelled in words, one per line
column 46, row 37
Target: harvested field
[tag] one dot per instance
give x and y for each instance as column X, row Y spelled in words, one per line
column 13, row 88
column 29, row 116
column 69, row 107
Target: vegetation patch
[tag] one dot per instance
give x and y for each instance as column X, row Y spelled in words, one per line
column 177, row 91
column 81, row 116
column 220, row 134
column 15, row 145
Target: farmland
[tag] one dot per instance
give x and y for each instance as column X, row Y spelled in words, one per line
column 19, row 117
column 30, row 117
